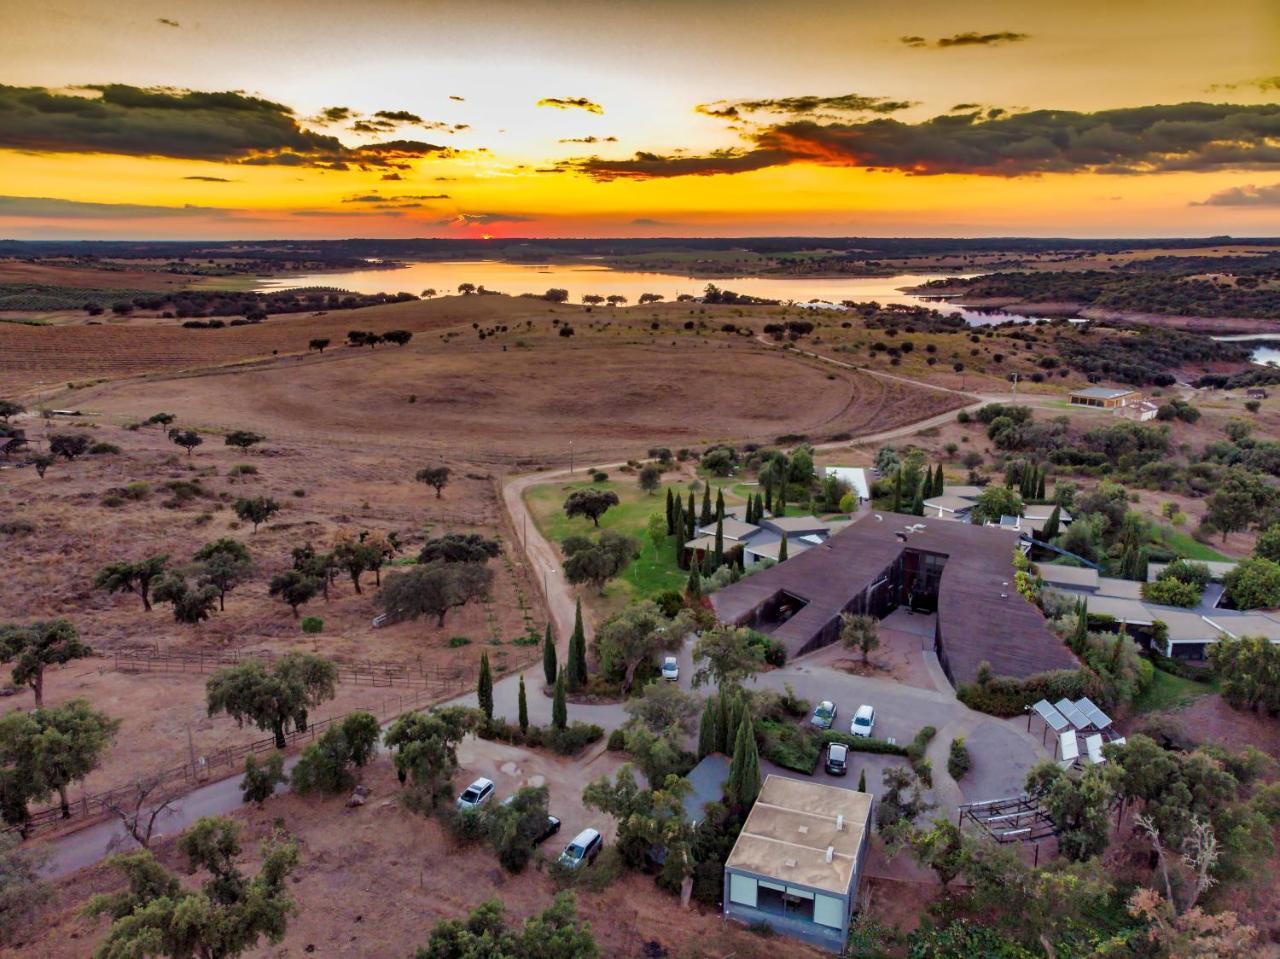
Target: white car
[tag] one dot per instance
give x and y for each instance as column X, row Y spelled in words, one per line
column 670, row 669
column 476, row 795
column 864, row 721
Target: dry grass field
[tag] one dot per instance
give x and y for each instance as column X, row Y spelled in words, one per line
column 345, row 433
column 370, row 882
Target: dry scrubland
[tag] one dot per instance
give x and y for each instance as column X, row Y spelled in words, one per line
column 372, row 881
column 343, row 442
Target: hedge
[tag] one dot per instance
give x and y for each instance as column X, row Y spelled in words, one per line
column 1007, row 696
column 864, row 744
column 567, row 742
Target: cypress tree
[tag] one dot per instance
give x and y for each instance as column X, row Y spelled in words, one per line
column 691, row 518
column 484, row 687
column 744, row 769
column 782, row 549
column 1040, row 484
column 549, row 657
column 707, row 567
column 720, row 503
column 862, row 781
column 707, row 728
column 897, row 492
column 723, row 711
column 917, row 504
column 768, row 497
column 781, row 501
column 1080, row 639
column 1010, row 475
column 577, row 652
column 559, row 704
column 1051, row 524
column 705, row 517
column 719, row 554
column 694, row 586
column 939, row 482
column 523, row 707
column 671, row 515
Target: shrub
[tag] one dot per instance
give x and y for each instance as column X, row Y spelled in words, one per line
column 864, row 744
column 456, row 641
column 617, row 741
column 243, row 469
column 312, row 625
column 137, row 490
column 789, row 746
column 1007, row 696
column 99, row 449
column 915, row 754
column 599, row 476
column 1168, row 591
column 959, row 761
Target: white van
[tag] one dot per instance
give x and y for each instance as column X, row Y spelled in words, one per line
column 584, row 848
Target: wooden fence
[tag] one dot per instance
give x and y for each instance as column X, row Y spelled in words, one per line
column 404, row 675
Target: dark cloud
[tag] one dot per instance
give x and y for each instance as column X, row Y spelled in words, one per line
column 334, row 115
column 226, row 127
column 398, row 116
column 845, row 103
column 49, row 208
column 1185, row 136
column 454, row 96
column 967, row 39
column 483, row 219
column 966, row 107
column 372, row 126
column 392, row 176
column 590, row 140
column 209, row 179
column 379, row 198
column 571, row 103
column 646, row 221
column 165, row 21
column 1249, row 195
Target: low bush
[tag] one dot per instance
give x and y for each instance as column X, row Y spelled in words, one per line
column 915, row 755
column 789, row 746
column 312, row 625
column 457, row 641
column 567, row 742
column 617, row 741
column 959, row 762
column 100, row 449
column 864, row 744
column 1007, row 696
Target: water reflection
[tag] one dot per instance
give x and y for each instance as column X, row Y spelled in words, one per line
column 581, row 279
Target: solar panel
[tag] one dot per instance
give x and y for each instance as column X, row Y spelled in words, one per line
column 1097, row 718
column 1068, row 749
column 1074, row 716
column 1093, row 745
column 1057, row 722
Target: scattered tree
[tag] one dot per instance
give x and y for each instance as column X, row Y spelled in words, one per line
column 425, row 749
column 591, row 503
column 260, row 779
column 243, row 439
column 187, row 439
column 861, row 633
column 636, row 635
column 294, row 587
column 728, row 656
column 122, row 577
column 140, row 805
column 597, row 561
column 34, row 646
column 433, row 589
column 437, row 477
column 46, row 750
column 460, row 548
column 256, row 510
column 226, row 917
column 273, row 700
column 21, row 891
column 650, row 478
column 192, row 603
column 318, row 344
column 225, row 564
column 554, row 932
column 325, row 766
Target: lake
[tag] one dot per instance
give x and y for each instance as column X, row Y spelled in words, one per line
column 584, row 278
column 1262, row 353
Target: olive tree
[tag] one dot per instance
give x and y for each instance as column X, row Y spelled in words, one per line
column 597, row 561
column 273, row 700
column 225, row 564
column 636, row 634
column 31, row 647
column 46, row 750
column 433, row 589
column 243, row 439
column 160, row 915
column 424, row 747
column 295, row 587
column 437, row 477
column 256, row 510
column 192, row 602
column 591, row 503
column 122, row 577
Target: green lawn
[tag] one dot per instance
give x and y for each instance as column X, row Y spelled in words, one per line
column 652, row 572
column 1168, row 691
column 1188, row 546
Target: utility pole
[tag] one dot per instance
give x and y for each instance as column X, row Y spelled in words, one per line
column 570, row 457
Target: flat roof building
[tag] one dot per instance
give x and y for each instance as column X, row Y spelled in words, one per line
column 1104, row 398
column 881, row 561
column 798, row 860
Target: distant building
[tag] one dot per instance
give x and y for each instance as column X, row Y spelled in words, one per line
column 799, row 858
column 1104, row 398
column 763, row 540
column 1256, row 393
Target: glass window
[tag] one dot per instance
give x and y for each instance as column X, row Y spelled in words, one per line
column 742, row 890
column 828, row 911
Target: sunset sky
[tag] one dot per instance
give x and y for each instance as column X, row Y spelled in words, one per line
column 313, row 118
